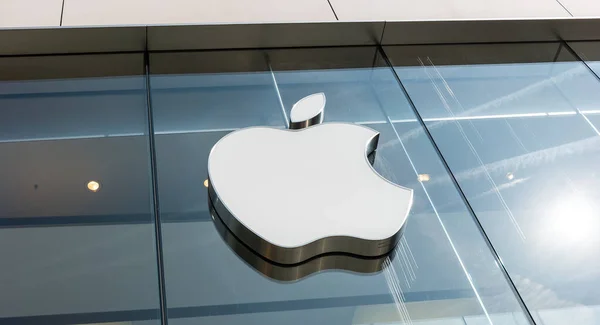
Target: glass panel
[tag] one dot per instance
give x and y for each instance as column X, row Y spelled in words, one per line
column 589, row 52
column 76, row 223
column 208, row 282
column 212, row 91
column 508, row 121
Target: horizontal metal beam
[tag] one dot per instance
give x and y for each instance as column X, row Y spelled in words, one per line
column 67, row 40
column 236, row 36
column 491, row 31
column 102, row 39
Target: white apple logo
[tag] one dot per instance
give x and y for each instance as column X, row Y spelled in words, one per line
column 294, row 194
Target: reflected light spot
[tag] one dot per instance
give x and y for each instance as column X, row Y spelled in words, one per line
column 206, row 183
column 572, row 220
column 93, row 186
column 423, row 177
column 510, row 176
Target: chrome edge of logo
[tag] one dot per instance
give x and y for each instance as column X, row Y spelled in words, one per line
column 299, row 271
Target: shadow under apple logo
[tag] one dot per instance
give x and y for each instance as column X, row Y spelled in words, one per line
column 295, row 272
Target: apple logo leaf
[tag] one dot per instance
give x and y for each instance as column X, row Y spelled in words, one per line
column 308, row 111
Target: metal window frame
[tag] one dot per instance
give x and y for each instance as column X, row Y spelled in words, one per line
column 137, row 38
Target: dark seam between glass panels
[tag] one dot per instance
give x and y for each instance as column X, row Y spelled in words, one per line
column 155, row 199
column 579, row 58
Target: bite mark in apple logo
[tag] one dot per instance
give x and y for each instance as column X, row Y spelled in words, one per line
column 294, row 194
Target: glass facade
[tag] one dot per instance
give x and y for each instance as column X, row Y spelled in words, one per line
column 499, row 142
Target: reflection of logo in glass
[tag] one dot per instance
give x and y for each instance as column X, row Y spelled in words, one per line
column 291, row 195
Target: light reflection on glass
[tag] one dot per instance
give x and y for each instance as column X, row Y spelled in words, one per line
column 517, row 126
column 572, row 220
column 93, row 186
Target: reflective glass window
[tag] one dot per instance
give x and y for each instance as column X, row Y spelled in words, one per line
column 442, row 272
column 76, row 218
column 590, row 53
column 515, row 124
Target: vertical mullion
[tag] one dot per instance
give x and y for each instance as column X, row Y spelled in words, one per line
column 286, row 120
column 155, row 200
column 460, row 191
column 580, row 59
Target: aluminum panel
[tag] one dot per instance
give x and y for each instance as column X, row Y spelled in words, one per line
column 30, row 13
column 449, row 9
column 582, row 8
column 116, row 12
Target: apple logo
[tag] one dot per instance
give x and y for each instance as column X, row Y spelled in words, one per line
column 291, row 195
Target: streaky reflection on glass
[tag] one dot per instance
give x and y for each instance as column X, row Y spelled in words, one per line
column 442, row 270
column 295, row 272
column 516, row 125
